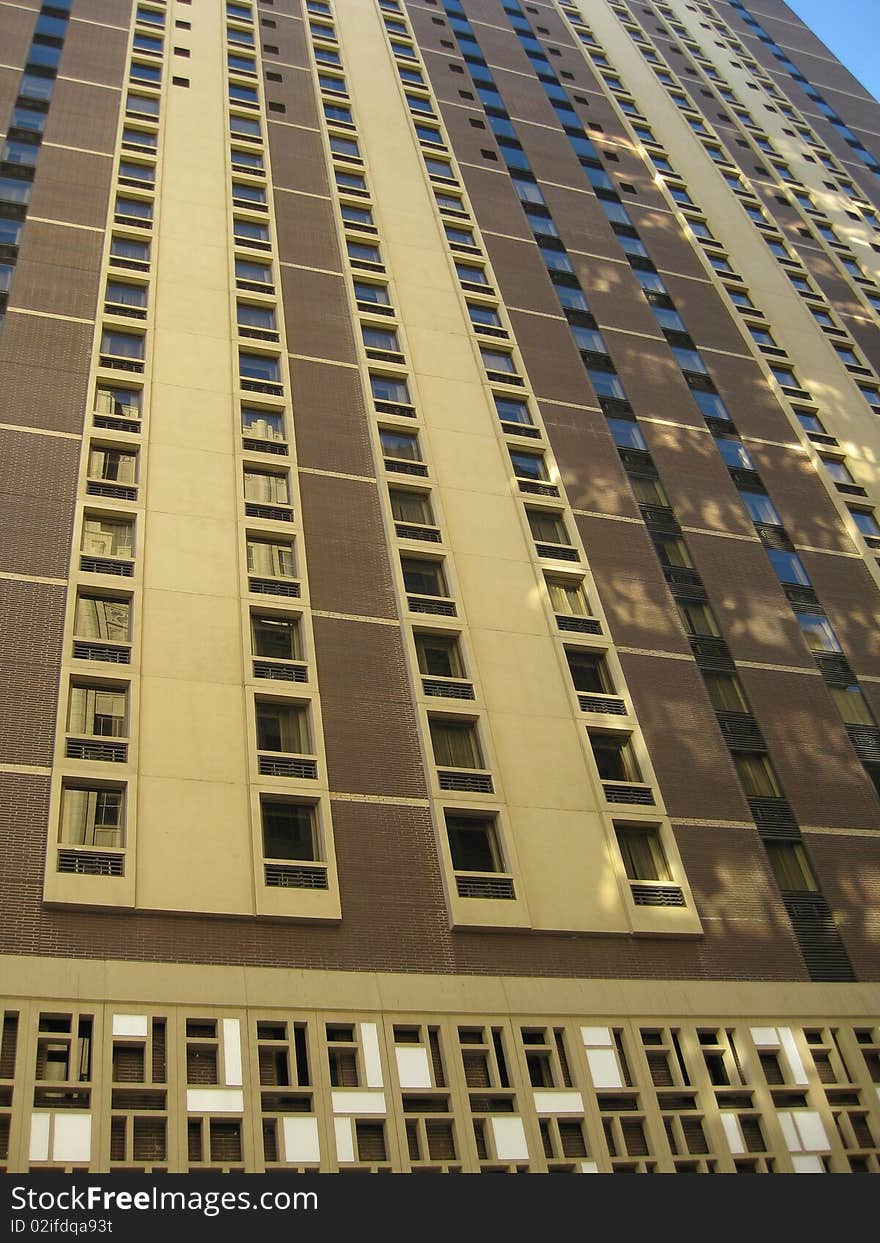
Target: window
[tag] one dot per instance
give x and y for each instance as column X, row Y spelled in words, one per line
column 124, row 294
column 567, row 597
column 837, row 469
column 513, row 410
column 697, row 619
column 438, row 655
column 486, row 315
column 589, row 672
column 710, row 405
column 127, row 248
column 91, row 816
column 818, row 632
column 114, row 465
column 248, row 232
column 350, row 181
column 266, row 487
column 734, row 453
column 276, row 638
column 270, row 558
column 400, row 445
column 257, row 273
column 262, row 424
column 851, row 705
column 547, row 527
column 756, row 775
column 455, row 743
column 788, row 567
column 498, row 360
column 725, row 692
column 669, row 319
column 866, row 522
column 344, row 146
column 473, row 275
column 672, row 551
column 252, row 194
column 528, row 465
column 250, row 316
column 411, row 507
column 423, row 578
column 648, row 490
column 615, row 758
column 689, row 360
column 247, row 127
column 283, row 727
column 96, row 710
column 365, row 291
column 102, row 617
column 380, row 339
column 366, row 254
column 386, row 388
column 761, row 508
column 607, row 384
column 642, row 852
column 259, row 367
column 791, row 867
column 289, row 830
column 589, row 339
column 122, row 344
column 108, row 537
column 473, row 843
column 438, row 168
column 626, row 434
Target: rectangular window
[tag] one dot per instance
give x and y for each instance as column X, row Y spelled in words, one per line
column 266, row 487
column 102, row 617
column 262, row 424
column 108, row 537
column 642, row 852
column 113, row 465
column 627, row 434
column 756, row 775
column 259, row 367
column 386, row 388
column 411, row 507
column 455, row 743
column 589, row 672
column 761, row 508
column 615, row 758
column 788, row 567
column 567, row 598
column 400, row 445
column 91, row 816
column 607, row 384
column 122, row 344
column 791, row 867
column 289, row 830
column 697, row 619
column 546, row 527
column 725, row 692
column 423, row 578
column 276, row 638
column 99, row 711
column 851, row 705
column 270, row 559
column 513, row 410
column 438, row 655
column 818, row 632
column 283, row 727
column 473, row 843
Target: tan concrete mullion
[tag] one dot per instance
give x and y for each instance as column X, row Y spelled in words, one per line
column 539, row 570
column 54, row 884
column 311, row 692
column 252, row 1122
column 521, row 1081
column 817, row 1099
column 22, row 1086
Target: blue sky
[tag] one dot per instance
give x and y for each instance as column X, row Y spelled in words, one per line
column 851, row 29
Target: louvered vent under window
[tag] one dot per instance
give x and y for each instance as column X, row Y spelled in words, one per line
column 427, row 604
column 774, row 817
column 273, row 587
column 109, row 652
column 287, row 766
column 90, row 863
column 866, row 741
column 287, row 876
column 448, row 688
column 91, row 749
column 278, row 672
column 498, row 887
column 578, row 625
column 608, row 704
column 103, row 565
column 818, row 938
column 657, row 895
column 470, row 783
column 626, row 792
column 741, row 732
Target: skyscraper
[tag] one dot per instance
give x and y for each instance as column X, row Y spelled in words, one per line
column 438, row 726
